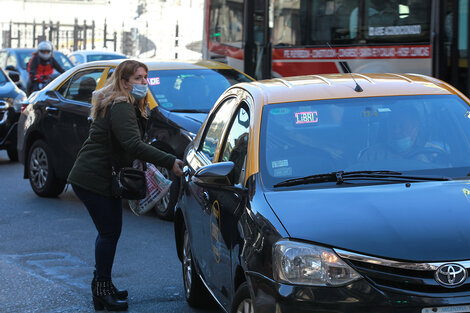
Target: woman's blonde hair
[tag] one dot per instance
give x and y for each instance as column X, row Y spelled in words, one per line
column 115, row 91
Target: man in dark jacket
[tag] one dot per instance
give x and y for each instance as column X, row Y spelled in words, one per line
column 41, row 66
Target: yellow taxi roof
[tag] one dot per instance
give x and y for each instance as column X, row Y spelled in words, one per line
column 337, row 86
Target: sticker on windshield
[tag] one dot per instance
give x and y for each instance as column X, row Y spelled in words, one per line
column 280, row 172
column 466, row 192
column 280, row 163
column 153, row 81
column 279, row 111
column 306, row 117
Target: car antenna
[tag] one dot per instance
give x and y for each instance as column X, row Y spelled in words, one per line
column 357, row 88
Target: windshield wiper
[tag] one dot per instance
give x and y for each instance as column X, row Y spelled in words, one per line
column 340, row 176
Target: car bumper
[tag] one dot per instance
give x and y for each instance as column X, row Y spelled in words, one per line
column 358, row 297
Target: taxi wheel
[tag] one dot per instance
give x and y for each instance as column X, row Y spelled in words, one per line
column 195, row 292
column 165, row 207
column 41, row 173
column 242, row 302
column 12, row 154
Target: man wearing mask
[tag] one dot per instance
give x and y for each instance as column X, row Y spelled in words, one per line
column 41, row 66
column 403, row 142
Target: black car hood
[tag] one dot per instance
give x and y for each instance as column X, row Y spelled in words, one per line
column 429, row 221
column 8, row 90
column 188, row 121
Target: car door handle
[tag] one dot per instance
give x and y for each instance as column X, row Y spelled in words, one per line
column 52, row 110
column 186, row 173
column 205, row 196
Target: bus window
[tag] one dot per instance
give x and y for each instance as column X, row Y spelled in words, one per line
column 226, row 22
column 307, row 22
column 392, row 21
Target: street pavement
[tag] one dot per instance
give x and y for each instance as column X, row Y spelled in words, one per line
column 47, row 254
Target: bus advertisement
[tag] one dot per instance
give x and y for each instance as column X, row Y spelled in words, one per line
column 275, row 38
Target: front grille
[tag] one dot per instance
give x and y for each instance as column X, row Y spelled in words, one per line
column 402, row 277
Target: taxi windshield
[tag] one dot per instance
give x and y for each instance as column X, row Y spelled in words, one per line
column 191, row 89
column 425, row 134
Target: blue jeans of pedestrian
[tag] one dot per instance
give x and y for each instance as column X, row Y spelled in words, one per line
column 106, row 213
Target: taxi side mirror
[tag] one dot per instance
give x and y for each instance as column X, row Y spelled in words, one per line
column 215, row 175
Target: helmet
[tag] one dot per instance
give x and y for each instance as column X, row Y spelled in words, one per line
column 45, row 50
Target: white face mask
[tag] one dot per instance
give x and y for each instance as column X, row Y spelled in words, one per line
column 402, row 144
column 139, row 91
column 45, row 56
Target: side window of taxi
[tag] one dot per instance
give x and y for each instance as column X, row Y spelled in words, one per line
column 236, row 144
column 81, row 86
column 215, row 128
column 3, row 58
column 11, row 61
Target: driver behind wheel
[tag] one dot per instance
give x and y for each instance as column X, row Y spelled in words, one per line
column 404, row 139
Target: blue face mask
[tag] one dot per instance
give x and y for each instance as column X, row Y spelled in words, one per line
column 402, row 144
column 139, row 91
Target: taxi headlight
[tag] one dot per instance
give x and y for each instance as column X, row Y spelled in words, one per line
column 19, row 101
column 305, row 264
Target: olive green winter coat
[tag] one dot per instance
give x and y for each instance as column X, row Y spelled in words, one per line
column 92, row 169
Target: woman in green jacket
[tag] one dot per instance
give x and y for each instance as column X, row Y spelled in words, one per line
column 125, row 98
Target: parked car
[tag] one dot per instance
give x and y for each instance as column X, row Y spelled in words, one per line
column 11, row 100
column 56, row 122
column 306, row 194
column 84, row 56
column 15, row 60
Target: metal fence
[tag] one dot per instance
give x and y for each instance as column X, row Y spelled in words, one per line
column 69, row 37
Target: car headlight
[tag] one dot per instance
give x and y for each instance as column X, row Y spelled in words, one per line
column 19, row 101
column 305, row 264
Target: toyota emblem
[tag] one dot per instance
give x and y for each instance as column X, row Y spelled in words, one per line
column 451, row 275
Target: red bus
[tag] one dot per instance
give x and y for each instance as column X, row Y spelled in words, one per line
column 274, row 38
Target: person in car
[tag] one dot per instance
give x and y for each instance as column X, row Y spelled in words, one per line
column 404, row 139
column 41, row 66
column 125, row 99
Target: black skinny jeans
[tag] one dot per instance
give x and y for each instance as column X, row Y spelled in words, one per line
column 106, row 213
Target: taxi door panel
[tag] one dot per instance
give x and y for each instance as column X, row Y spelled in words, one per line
column 194, row 199
column 224, row 232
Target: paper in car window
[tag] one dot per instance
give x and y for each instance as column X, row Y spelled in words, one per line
column 280, row 163
column 279, row 111
column 306, row 117
column 153, row 81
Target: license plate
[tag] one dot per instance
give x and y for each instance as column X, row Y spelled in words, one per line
column 442, row 309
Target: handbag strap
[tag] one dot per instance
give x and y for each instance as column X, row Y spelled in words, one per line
column 111, row 145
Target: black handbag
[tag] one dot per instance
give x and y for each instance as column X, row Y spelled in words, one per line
column 126, row 182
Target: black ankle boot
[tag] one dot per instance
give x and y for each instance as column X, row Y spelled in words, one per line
column 120, row 294
column 104, row 298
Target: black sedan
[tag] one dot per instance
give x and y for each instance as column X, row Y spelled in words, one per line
column 55, row 124
column 11, row 100
column 304, row 194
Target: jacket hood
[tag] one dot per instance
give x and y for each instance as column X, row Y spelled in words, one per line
column 104, row 96
column 428, row 221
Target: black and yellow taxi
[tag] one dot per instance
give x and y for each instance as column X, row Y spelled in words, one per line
column 54, row 125
column 329, row 193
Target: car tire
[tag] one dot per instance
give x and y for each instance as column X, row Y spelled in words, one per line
column 195, row 292
column 12, row 154
column 165, row 208
column 242, row 302
column 41, row 172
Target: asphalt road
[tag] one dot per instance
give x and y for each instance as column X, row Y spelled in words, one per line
column 47, row 246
